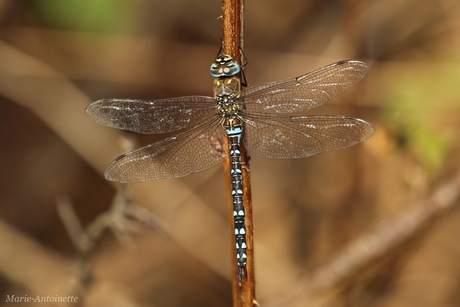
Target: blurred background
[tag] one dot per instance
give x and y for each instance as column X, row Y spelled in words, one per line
column 58, row 56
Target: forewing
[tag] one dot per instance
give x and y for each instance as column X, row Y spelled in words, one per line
column 189, row 152
column 304, row 92
column 152, row 116
column 303, row 136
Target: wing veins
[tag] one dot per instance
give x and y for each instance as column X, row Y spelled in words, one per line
column 304, row 92
column 152, row 116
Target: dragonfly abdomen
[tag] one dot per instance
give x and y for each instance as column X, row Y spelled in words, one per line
column 234, row 132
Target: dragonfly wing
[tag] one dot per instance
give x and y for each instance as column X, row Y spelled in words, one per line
column 304, row 92
column 189, row 152
column 152, row 116
column 302, row 136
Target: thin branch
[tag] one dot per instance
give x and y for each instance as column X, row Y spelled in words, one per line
column 121, row 218
column 26, row 262
column 232, row 44
column 370, row 247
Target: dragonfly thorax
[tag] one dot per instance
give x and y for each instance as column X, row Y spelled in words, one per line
column 227, row 94
column 228, row 105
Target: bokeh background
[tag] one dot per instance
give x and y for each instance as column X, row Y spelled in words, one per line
column 58, row 56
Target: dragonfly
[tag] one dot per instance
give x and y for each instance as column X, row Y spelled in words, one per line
column 209, row 130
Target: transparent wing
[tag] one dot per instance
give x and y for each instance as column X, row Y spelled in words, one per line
column 152, row 116
column 285, row 137
column 304, row 92
column 189, row 152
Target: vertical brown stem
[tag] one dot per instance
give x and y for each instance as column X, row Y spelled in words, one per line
column 232, row 43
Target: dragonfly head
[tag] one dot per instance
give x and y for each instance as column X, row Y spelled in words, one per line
column 225, row 66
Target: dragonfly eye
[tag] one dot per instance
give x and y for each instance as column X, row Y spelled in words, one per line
column 224, row 66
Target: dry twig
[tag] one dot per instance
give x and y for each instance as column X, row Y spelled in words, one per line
column 120, row 219
column 372, row 246
column 232, row 44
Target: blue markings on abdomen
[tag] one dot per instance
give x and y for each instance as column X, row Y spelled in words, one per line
column 234, row 133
